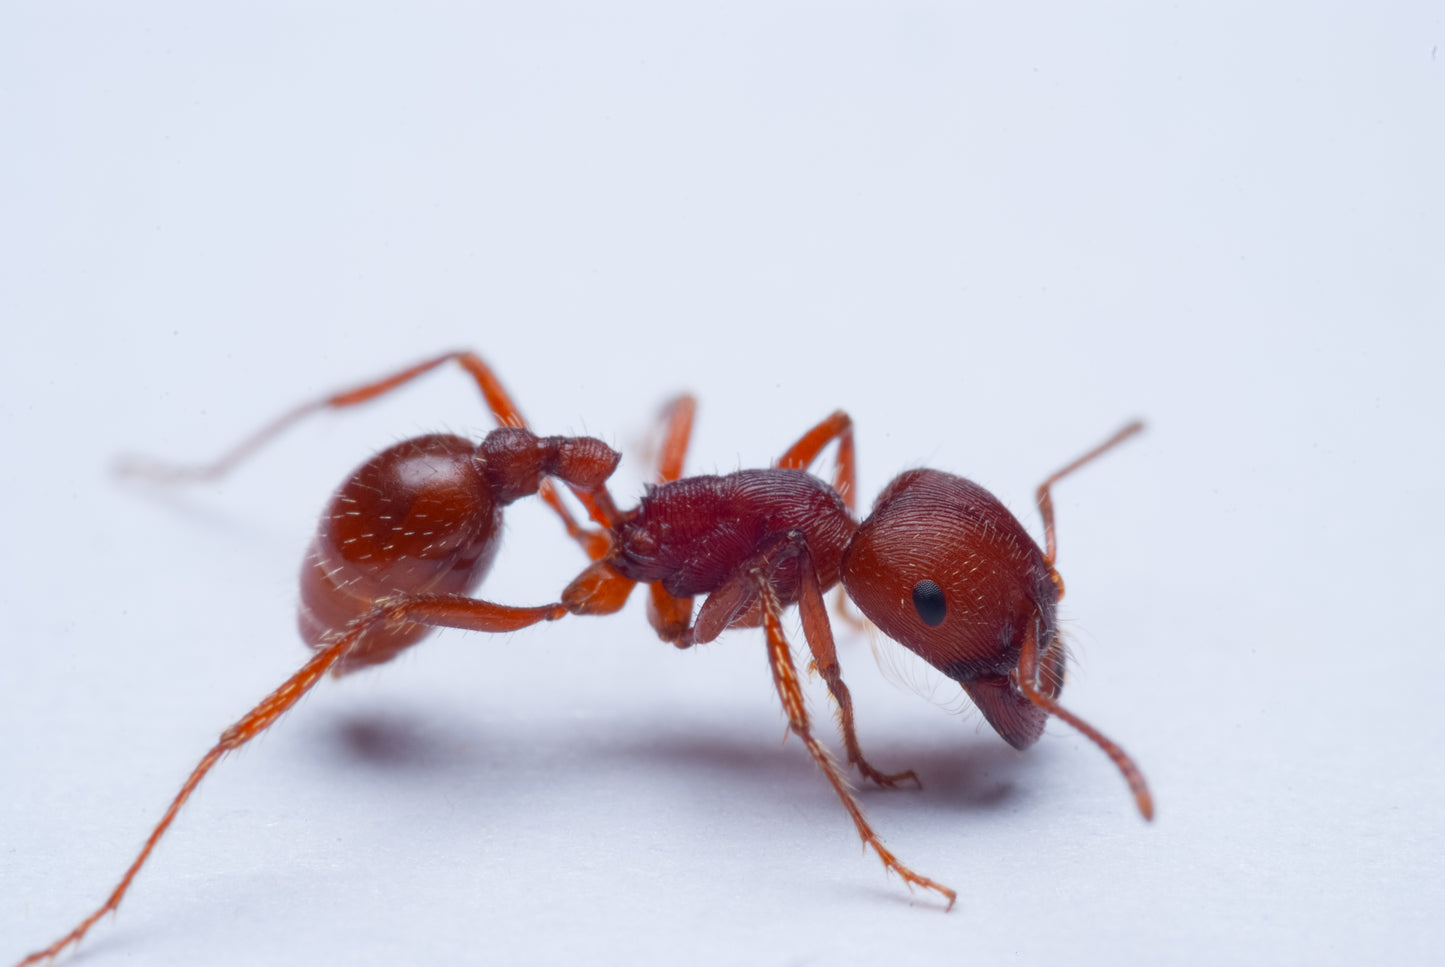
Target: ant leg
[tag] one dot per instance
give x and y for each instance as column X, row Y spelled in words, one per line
column 1025, row 678
column 442, row 610
column 819, row 635
column 838, row 426
column 1046, row 502
column 671, row 617
column 785, row 678
column 503, row 409
column 501, row 405
column 738, row 602
column 800, row 456
column 677, row 417
column 601, row 590
column 597, row 590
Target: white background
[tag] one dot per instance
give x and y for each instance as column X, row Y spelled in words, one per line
column 991, row 234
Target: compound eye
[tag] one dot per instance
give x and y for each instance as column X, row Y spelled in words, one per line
column 928, row 601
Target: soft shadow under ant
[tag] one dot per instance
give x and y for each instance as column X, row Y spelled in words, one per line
column 981, row 776
column 397, row 741
column 977, row 777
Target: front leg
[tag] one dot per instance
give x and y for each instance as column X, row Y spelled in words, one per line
column 800, row 456
column 739, row 602
column 785, row 678
column 752, row 591
column 819, row 634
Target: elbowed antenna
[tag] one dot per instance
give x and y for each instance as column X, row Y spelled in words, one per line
column 1024, row 678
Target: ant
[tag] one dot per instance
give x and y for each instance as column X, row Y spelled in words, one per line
column 940, row 565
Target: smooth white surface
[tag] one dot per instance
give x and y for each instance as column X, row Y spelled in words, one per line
column 992, row 235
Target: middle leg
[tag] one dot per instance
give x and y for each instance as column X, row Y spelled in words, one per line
column 670, row 616
column 800, row 456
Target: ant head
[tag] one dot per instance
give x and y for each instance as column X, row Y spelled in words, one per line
column 942, row 567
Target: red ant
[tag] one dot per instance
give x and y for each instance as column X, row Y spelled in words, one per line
column 940, row 565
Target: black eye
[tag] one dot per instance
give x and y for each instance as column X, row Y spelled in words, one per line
column 928, row 599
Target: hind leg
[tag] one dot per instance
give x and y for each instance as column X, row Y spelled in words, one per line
column 451, row 611
column 499, row 401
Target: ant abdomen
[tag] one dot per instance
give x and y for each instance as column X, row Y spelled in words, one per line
column 425, row 517
column 419, row 517
column 944, row 568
